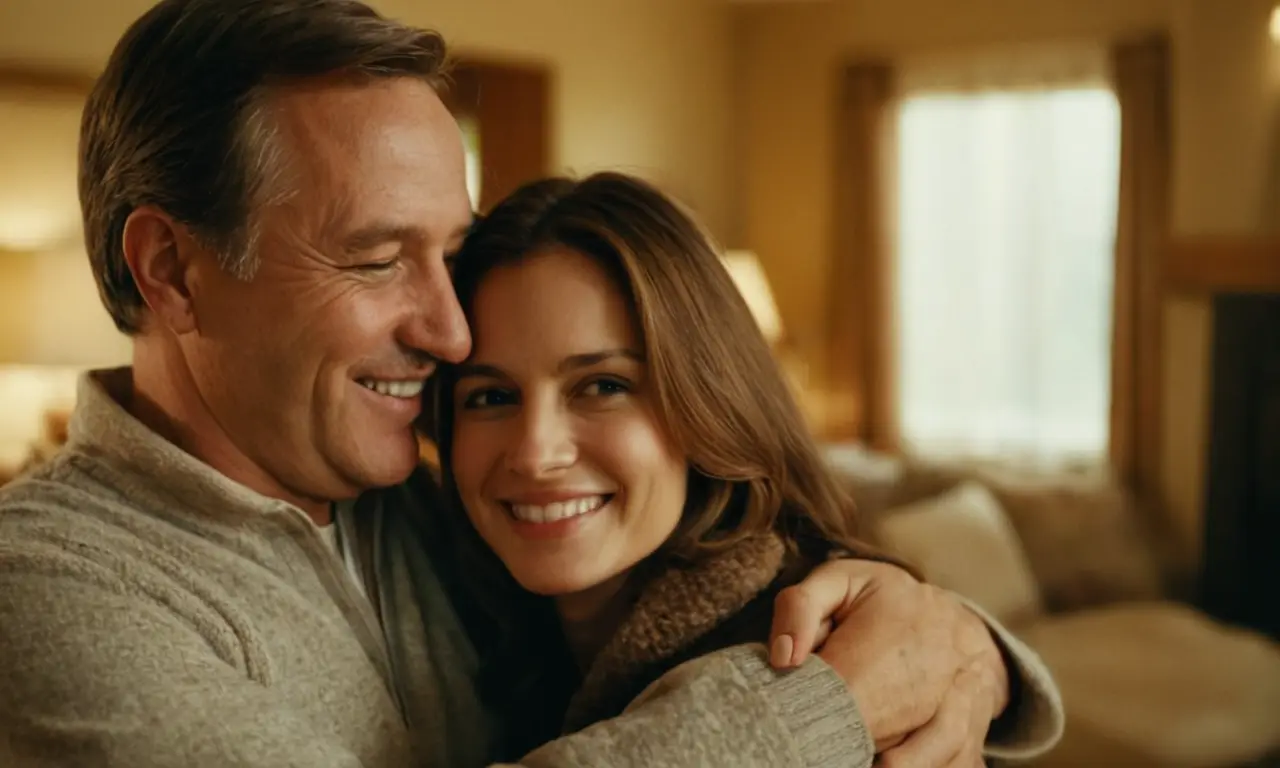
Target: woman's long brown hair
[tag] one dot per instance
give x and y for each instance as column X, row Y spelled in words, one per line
column 718, row 391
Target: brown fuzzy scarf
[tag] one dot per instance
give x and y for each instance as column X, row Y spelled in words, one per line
column 677, row 609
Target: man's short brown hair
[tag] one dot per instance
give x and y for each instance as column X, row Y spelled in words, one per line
column 177, row 120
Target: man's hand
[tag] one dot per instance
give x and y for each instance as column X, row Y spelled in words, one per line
column 954, row 736
column 925, row 671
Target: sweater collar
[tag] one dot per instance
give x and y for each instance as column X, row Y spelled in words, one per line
column 102, row 427
column 674, row 610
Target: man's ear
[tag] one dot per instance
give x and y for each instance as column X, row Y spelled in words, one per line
column 160, row 253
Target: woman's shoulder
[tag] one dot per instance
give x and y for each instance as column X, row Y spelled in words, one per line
column 686, row 611
column 752, row 622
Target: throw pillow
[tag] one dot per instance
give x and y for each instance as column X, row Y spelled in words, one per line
column 1085, row 540
column 962, row 541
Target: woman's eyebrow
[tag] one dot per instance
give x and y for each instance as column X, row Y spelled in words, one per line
column 567, row 365
column 485, row 370
column 587, row 359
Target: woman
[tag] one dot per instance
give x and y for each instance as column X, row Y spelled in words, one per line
column 636, row 477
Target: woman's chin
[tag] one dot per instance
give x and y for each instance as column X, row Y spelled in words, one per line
column 540, row 584
column 552, row 579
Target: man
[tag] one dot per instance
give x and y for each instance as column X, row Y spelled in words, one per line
column 271, row 192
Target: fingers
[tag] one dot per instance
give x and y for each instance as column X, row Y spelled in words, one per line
column 824, row 631
column 955, row 736
column 796, row 618
column 804, row 614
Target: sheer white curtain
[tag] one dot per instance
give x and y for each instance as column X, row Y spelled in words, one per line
column 1005, row 241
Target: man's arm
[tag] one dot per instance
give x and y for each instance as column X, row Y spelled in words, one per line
column 80, row 689
column 901, row 645
column 726, row 709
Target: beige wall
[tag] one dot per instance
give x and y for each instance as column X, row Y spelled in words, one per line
column 640, row 84
column 1221, row 102
column 51, row 324
column 38, row 180
column 49, row 305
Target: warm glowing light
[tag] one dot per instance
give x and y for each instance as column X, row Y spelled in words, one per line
column 748, row 275
column 26, row 227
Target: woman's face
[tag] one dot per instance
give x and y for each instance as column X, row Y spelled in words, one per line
column 557, row 451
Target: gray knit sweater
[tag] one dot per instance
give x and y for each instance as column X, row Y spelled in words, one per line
column 154, row 613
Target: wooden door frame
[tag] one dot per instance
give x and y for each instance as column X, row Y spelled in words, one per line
column 511, row 104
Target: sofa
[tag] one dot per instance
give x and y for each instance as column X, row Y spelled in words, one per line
column 1071, row 564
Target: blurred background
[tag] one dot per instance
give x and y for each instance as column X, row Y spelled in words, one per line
column 1019, row 259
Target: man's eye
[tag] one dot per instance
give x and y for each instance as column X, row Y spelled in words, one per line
column 487, row 398
column 379, row 266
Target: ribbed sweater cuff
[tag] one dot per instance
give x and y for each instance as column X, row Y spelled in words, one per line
column 815, row 705
column 1034, row 723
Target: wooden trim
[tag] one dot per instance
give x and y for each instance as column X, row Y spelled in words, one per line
column 16, row 76
column 1224, row 264
column 511, row 104
column 1140, row 75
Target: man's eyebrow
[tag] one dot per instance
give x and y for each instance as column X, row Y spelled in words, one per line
column 377, row 234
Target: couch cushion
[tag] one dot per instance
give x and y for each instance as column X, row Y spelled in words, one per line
column 962, row 541
column 869, row 477
column 1084, row 538
column 1159, row 684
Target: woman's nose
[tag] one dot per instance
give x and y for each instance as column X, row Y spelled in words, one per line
column 543, row 444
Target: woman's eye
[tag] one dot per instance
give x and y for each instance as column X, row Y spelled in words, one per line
column 606, row 388
column 487, row 398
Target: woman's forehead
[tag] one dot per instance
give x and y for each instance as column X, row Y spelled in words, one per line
column 549, row 306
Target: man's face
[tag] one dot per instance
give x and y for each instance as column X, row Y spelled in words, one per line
column 313, row 369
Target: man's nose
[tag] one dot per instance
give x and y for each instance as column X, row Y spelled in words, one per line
column 438, row 326
column 543, row 443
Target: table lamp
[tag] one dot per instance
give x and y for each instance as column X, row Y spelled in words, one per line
column 747, row 273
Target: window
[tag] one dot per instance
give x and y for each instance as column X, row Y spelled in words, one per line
column 1005, row 238
column 471, row 146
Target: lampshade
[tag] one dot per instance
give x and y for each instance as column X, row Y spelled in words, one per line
column 744, row 267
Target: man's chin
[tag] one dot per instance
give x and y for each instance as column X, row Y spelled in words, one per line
column 388, row 464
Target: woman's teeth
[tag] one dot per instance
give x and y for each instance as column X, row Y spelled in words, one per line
column 411, row 388
column 560, row 510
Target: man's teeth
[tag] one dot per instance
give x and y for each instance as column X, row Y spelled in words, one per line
column 411, row 388
column 550, row 513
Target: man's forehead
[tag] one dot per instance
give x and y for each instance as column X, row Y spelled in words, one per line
column 377, row 156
